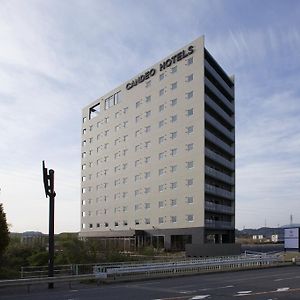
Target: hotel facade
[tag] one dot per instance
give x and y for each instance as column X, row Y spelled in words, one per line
column 158, row 155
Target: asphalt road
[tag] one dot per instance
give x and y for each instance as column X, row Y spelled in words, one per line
column 267, row 284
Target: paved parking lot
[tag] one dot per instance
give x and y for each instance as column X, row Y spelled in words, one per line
column 267, row 284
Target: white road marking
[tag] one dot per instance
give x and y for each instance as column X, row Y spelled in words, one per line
column 244, row 292
column 282, row 289
column 288, row 278
column 200, row 297
column 188, row 292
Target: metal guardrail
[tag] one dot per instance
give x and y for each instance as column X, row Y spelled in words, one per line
column 44, row 280
column 110, row 272
column 186, row 267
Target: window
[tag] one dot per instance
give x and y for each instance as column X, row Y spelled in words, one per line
column 190, row 218
column 137, row 177
column 189, row 147
column 84, row 120
column 148, row 99
column 147, row 220
column 161, row 204
column 161, row 172
column 189, row 112
column 98, row 225
column 189, row 95
column 161, row 123
column 189, row 61
column 109, row 102
column 161, row 107
column 94, row 111
column 147, row 190
column 161, row 76
column 173, row 168
column 125, row 223
column 148, row 113
column 147, row 128
column 83, row 214
column 138, row 118
column 125, row 110
column 138, row 104
column 161, row 139
column 147, row 159
column 173, row 85
column 125, row 208
column 83, row 155
column 83, row 166
column 137, row 162
column 160, row 220
column 147, row 144
column 137, row 206
column 173, row 135
column 174, row 151
column 105, row 224
column 161, row 155
column 173, row 102
column 147, row 205
column 173, row 185
column 174, row 69
column 189, row 199
column 189, row 78
column 173, row 202
column 147, row 175
column 84, row 131
column 148, row 83
column 160, row 187
column 116, row 224
column 189, row 164
column 83, row 178
column 189, row 129
column 173, row 118
column 161, row 92
column 117, row 114
column 137, row 222
column 189, row 182
column 173, row 219
column 91, row 226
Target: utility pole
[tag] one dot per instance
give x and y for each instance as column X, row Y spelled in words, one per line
column 49, row 191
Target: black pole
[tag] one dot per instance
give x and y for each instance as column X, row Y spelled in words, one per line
column 51, row 229
column 49, row 191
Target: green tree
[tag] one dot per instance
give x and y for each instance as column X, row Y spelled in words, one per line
column 4, row 233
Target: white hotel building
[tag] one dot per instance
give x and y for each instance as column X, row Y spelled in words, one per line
column 158, row 155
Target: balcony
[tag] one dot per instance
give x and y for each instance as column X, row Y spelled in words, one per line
column 212, row 138
column 218, row 94
column 213, row 190
column 213, row 207
column 221, row 81
column 215, row 123
column 219, row 159
column 219, row 224
column 219, row 175
column 219, row 110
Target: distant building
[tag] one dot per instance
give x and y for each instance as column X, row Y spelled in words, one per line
column 258, row 237
column 34, row 238
column 158, row 155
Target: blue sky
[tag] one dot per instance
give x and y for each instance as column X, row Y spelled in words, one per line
column 58, row 56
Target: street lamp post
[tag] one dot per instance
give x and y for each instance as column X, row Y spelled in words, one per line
column 49, row 191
